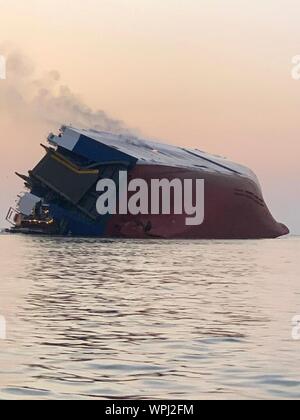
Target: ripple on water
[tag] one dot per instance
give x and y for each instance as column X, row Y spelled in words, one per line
column 108, row 319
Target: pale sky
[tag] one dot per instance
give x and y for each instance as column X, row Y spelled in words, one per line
column 215, row 74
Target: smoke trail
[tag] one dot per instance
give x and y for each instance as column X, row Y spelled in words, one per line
column 46, row 99
column 30, row 107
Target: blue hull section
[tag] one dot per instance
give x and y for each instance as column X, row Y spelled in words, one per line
column 73, row 223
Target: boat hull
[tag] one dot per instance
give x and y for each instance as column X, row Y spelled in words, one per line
column 234, row 209
column 64, row 191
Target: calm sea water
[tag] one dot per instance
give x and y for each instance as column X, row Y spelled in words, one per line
column 149, row 319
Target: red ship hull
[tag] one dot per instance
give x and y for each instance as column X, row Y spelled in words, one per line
column 65, row 197
column 234, row 209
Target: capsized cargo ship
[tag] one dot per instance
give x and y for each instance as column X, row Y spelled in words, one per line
column 61, row 194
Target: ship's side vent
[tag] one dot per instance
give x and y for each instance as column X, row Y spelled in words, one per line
column 249, row 195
